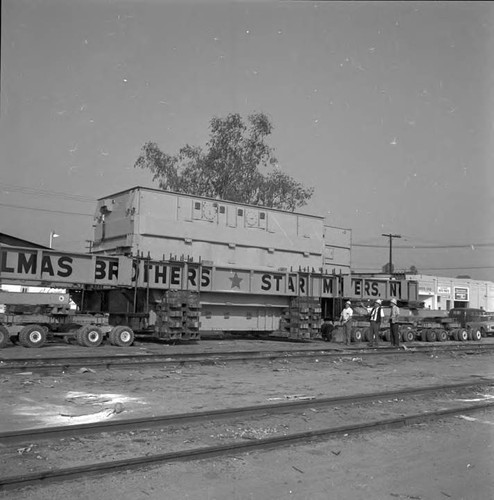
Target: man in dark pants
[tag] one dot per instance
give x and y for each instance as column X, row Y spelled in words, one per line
column 393, row 324
column 376, row 316
column 346, row 320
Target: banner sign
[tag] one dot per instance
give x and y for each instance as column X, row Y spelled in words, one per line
column 193, row 276
column 367, row 288
column 70, row 270
column 52, row 267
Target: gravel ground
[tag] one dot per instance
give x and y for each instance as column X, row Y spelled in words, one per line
column 448, row 459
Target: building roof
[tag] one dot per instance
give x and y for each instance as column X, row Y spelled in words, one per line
column 13, row 241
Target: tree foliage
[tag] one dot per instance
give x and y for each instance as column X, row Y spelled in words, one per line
column 388, row 268
column 229, row 167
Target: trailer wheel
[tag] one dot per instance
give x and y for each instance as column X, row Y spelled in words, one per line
column 387, row 335
column 476, row 335
column 357, row 335
column 462, row 335
column 430, row 336
column 89, row 336
column 4, row 336
column 366, row 334
column 408, row 335
column 121, row 336
column 32, row 336
column 441, row 335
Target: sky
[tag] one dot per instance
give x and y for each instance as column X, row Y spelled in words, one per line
column 384, row 107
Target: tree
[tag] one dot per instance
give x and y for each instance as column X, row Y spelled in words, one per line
column 229, row 166
column 413, row 270
column 388, row 268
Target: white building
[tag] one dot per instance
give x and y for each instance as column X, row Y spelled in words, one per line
column 441, row 293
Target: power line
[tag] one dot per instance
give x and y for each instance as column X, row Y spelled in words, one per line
column 45, row 192
column 422, row 247
column 87, row 199
column 46, row 210
column 458, row 268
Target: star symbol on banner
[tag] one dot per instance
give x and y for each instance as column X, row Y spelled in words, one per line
column 235, row 280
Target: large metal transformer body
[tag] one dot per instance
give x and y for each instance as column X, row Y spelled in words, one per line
column 164, row 225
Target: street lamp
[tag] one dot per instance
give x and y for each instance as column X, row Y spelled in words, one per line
column 53, row 234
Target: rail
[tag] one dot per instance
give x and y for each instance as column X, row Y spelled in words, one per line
column 359, row 412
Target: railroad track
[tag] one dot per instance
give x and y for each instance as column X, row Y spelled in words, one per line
column 159, row 440
column 64, row 364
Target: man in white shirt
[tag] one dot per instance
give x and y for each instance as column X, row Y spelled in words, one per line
column 393, row 324
column 346, row 321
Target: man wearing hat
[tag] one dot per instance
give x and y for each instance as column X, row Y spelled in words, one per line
column 393, row 324
column 346, row 321
column 376, row 315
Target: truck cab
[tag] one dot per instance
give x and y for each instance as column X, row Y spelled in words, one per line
column 474, row 319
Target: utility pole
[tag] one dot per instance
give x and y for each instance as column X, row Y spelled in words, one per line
column 391, row 236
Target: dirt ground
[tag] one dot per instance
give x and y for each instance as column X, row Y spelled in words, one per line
column 452, row 458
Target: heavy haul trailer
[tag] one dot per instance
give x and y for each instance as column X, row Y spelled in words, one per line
column 427, row 326
column 30, row 318
column 175, row 299
column 236, row 300
column 416, row 324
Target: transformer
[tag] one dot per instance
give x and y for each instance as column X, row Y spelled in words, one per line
column 171, row 226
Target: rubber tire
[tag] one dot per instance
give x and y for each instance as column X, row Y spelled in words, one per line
column 366, row 334
column 387, row 335
column 442, row 335
column 89, row 336
column 121, row 336
column 430, row 336
column 408, row 336
column 477, row 335
column 462, row 335
column 4, row 336
column 357, row 335
column 32, row 336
